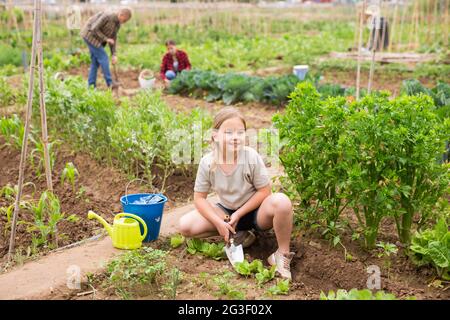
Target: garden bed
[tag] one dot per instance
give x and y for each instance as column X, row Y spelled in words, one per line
column 98, row 188
column 316, row 267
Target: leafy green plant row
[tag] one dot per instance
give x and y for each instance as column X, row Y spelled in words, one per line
column 247, row 269
column 377, row 157
column 139, row 136
column 235, row 87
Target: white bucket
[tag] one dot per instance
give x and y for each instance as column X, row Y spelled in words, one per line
column 146, row 79
column 300, row 71
column 61, row 76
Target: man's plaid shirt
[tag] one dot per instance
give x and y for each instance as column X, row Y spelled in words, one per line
column 101, row 27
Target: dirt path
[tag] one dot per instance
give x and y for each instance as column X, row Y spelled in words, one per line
column 50, row 274
column 43, row 277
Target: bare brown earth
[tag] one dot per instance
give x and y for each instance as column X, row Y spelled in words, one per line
column 103, row 186
column 316, row 267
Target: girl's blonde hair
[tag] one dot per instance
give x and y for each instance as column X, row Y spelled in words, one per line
column 223, row 115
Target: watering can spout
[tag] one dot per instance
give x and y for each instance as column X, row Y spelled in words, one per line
column 92, row 215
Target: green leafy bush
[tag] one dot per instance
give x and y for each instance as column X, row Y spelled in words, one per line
column 432, row 247
column 81, row 114
column 440, row 93
column 376, row 156
column 10, row 55
column 310, row 132
column 60, row 60
column 139, row 271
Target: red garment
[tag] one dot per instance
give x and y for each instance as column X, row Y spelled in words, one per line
column 167, row 63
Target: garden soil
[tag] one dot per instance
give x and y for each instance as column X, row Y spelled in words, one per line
column 101, row 188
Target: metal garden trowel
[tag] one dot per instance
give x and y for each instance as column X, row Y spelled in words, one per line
column 234, row 253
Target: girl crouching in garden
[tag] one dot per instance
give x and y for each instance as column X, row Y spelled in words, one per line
column 239, row 177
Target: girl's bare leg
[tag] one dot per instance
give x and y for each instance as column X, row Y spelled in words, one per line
column 193, row 224
column 276, row 211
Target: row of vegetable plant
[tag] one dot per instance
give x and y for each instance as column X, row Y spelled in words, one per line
column 138, row 137
column 236, row 87
column 377, row 157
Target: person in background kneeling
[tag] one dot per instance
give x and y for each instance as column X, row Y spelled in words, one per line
column 174, row 61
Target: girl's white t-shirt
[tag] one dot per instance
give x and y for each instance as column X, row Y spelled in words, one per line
column 236, row 188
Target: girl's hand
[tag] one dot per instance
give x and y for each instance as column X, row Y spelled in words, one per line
column 234, row 219
column 224, row 229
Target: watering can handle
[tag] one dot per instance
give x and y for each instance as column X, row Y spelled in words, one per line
column 134, row 217
column 128, row 184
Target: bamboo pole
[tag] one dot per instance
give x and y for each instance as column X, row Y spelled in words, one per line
column 30, row 19
column 429, row 21
column 374, row 49
column 14, row 19
column 23, row 155
column 402, row 21
column 356, row 39
column 413, row 26
column 48, row 170
column 358, row 70
column 445, row 33
column 393, row 29
column 417, row 28
column 435, row 19
column 383, row 26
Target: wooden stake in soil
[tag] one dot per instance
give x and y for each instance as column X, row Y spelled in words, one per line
column 48, row 169
column 23, row 155
column 376, row 29
column 446, row 24
column 413, row 26
column 36, row 51
column 14, row 19
column 402, row 21
column 394, row 23
column 383, row 26
column 361, row 26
